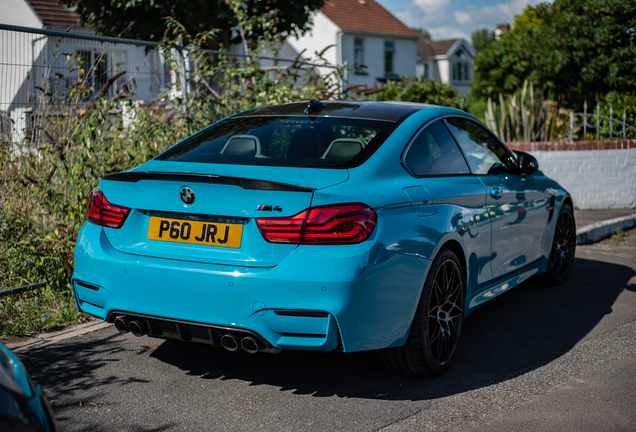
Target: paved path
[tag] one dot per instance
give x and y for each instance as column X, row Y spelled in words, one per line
column 533, row 359
column 588, row 217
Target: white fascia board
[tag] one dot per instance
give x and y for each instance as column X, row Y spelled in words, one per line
column 378, row 34
column 457, row 44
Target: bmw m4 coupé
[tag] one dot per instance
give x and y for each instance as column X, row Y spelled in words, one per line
column 330, row 226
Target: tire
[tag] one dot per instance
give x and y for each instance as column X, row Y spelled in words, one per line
column 562, row 250
column 436, row 327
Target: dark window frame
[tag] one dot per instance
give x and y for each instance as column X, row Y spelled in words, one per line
column 511, row 155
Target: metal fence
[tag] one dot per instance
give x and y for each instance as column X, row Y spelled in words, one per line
column 37, row 66
column 616, row 127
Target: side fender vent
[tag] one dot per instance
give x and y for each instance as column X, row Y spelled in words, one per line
column 550, row 209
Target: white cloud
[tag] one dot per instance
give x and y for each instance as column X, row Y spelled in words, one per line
column 430, row 6
column 463, row 17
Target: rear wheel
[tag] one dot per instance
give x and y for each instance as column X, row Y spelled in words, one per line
column 562, row 250
column 436, row 327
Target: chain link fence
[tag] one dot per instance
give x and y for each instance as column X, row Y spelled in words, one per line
column 38, row 66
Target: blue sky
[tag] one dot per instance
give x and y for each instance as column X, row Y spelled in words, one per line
column 446, row 19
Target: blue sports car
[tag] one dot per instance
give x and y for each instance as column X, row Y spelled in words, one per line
column 328, row 225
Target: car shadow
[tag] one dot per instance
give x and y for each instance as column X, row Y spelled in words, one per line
column 513, row 334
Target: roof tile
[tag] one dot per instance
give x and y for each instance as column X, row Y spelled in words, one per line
column 52, row 14
column 428, row 48
column 364, row 15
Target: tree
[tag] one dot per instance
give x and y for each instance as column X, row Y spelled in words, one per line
column 423, row 91
column 576, row 49
column 482, row 38
column 148, row 20
column 598, row 42
column 422, row 31
column 531, row 17
column 522, row 53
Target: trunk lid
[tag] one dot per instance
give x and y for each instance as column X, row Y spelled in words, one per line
column 227, row 199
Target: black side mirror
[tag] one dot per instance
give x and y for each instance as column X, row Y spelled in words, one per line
column 526, row 162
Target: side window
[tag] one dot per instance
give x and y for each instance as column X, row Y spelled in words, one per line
column 435, row 153
column 484, row 152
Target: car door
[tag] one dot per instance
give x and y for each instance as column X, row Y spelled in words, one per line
column 516, row 202
column 444, row 189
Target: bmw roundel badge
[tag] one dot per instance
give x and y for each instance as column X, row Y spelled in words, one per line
column 187, row 196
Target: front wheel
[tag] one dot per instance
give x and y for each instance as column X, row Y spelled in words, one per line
column 436, row 327
column 562, row 250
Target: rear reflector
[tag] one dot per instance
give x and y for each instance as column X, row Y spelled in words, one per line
column 302, row 314
column 101, row 212
column 332, row 224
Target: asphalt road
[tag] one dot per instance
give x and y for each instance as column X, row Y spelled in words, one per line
column 533, row 359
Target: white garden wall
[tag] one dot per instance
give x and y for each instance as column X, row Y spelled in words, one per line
column 596, row 179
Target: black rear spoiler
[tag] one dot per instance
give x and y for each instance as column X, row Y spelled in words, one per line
column 245, row 183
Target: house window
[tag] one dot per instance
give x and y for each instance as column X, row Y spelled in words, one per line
column 96, row 68
column 389, row 51
column 461, row 67
column 358, row 56
column 425, row 72
column 461, row 71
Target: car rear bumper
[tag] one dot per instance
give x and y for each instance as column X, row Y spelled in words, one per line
column 366, row 294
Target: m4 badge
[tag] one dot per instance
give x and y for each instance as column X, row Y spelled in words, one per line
column 268, row 208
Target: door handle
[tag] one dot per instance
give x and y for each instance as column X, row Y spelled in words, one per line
column 496, row 193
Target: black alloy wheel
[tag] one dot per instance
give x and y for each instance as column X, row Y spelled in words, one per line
column 445, row 312
column 562, row 250
column 436, row 328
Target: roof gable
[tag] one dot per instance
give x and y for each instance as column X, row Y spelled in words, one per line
column 364, row 16
column 52, row 14
column 428, row 48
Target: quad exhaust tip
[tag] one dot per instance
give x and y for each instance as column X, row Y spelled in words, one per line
column 229, row 342
column 137, row 328
column 121, row 324
column 249, row 345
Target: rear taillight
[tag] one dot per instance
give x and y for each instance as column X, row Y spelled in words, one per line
column 333, row 224
column 101, row 212
column 282, row 230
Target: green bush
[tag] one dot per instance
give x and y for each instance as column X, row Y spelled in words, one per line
column 423, row 91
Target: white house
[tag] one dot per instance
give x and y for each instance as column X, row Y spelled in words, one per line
column 379, row 47
column 364, row 35
column 449, row 61
column 33, row 64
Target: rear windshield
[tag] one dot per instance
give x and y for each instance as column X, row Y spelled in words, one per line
column 319, row 142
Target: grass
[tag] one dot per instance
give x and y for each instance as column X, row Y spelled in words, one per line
column 36, row 311
column 619, row 234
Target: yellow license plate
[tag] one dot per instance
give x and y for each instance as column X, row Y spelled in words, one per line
column 195, row 232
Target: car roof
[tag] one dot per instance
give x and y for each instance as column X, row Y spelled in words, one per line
column 386, row 111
